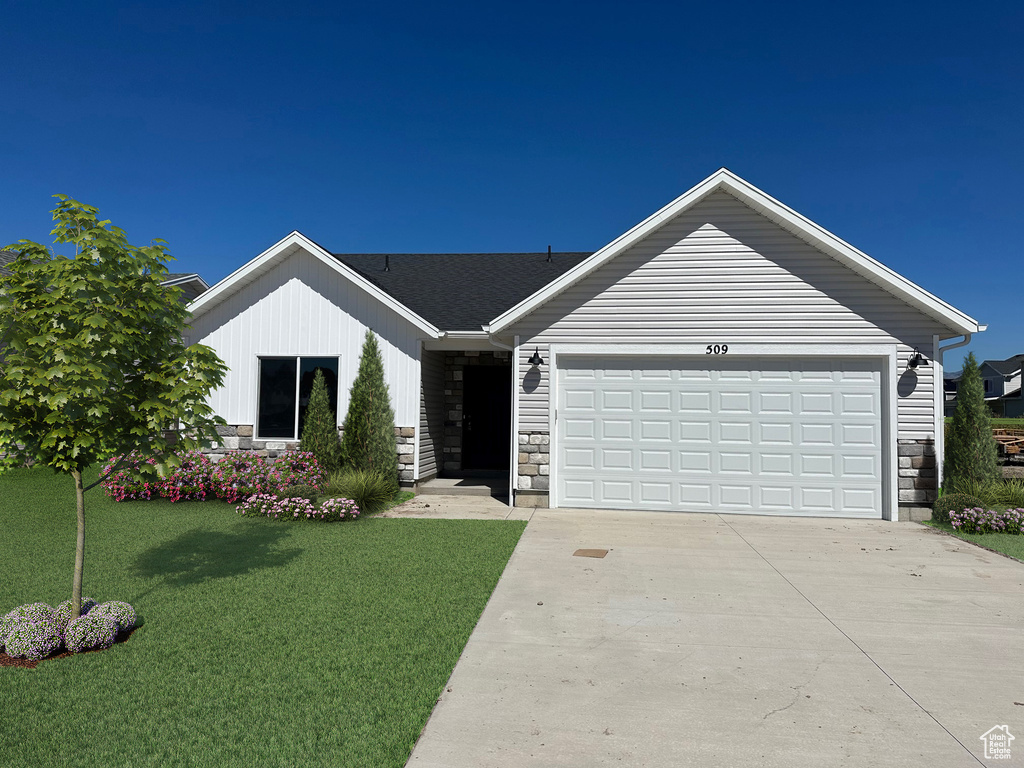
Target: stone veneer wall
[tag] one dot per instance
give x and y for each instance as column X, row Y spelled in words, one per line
column 917, row 473
column 454, row 363
column 534, row 461
column 238, row 437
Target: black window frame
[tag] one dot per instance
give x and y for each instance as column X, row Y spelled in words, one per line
column 297, row 361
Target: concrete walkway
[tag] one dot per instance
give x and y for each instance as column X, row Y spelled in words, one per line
column 710, row 640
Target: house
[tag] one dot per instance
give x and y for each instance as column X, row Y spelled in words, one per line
column 725, row 354
column 1001, row 380
column 190, row 284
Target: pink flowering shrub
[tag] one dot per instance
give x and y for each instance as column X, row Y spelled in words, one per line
column 339, row 509
column 296, row 468
column 240, row 474
column 126, row 483
column 296, row 508
column 190, row 481
column 978, row 520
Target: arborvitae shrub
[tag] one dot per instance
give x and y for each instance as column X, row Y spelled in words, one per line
column 320, row 430
column 368, row 440
column 970, row 447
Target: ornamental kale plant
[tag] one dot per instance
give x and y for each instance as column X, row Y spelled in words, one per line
column 63, row 612
column 33, row 612
column 33, row 639
column 122, row 613
column 90, row 632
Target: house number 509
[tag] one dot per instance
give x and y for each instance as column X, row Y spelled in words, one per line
column 717, row 349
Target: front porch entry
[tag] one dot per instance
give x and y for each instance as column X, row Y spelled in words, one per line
column 467, row 398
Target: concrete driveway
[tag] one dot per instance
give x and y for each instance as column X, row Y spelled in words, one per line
column 711, row 640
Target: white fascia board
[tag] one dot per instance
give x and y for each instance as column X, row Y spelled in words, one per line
column 284, row 248
column 803, row 227
column 193, row 278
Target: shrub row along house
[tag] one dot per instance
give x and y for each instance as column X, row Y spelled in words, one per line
column 724, row 354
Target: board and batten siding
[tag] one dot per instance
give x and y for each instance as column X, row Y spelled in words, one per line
column 721, row 273
column 304, row 307
column 431, row 434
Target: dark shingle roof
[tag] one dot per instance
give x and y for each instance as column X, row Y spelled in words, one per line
column 461, row 291
column 1008, row 366
column 6, row 257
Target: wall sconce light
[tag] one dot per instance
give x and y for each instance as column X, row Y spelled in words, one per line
column 917, row 359
column 536, row 359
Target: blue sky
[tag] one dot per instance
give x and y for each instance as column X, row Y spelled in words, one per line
column 221, row 127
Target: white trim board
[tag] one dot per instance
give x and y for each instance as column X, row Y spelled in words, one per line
column 765, row 204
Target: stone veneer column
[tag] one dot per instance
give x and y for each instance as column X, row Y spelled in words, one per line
column 533, row 474
column 405, row 440
column 916, row 472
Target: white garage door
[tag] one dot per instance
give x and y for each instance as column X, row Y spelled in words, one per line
column 747, row 435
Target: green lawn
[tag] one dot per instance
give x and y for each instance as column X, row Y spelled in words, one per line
column 1008, row 544
column 263, row 643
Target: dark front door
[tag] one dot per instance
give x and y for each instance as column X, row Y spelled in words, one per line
column 486, row 417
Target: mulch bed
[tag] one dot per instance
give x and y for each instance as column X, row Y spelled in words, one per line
column 11, row 661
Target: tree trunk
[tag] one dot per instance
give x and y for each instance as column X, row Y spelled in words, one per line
column 76, row 585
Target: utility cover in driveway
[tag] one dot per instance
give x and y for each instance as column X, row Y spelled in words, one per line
column 746, row 435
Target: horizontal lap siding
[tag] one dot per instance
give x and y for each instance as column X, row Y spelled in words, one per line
column 303, row 307
column 722, row 273
column 431, row 412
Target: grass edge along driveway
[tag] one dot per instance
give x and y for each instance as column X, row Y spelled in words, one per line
column 264, row 643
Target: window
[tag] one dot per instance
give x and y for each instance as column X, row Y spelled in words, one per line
column 284, row 387
column 988, row 385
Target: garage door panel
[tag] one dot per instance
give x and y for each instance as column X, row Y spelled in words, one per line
column 749, row 435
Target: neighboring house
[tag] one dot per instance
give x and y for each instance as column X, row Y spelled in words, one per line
column 191, row 284
column 726, row 354
column 1001, row 380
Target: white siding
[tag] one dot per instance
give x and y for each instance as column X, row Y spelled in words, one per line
column 722, row 273
column 303, row 307
column 431, row 412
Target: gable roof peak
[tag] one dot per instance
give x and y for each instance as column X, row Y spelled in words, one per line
column 775, row 211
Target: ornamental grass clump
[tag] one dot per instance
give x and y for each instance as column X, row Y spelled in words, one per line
column 33, row 639
column 63, row 612
column 122, row 613
column 90, row 632
column 979, row 520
